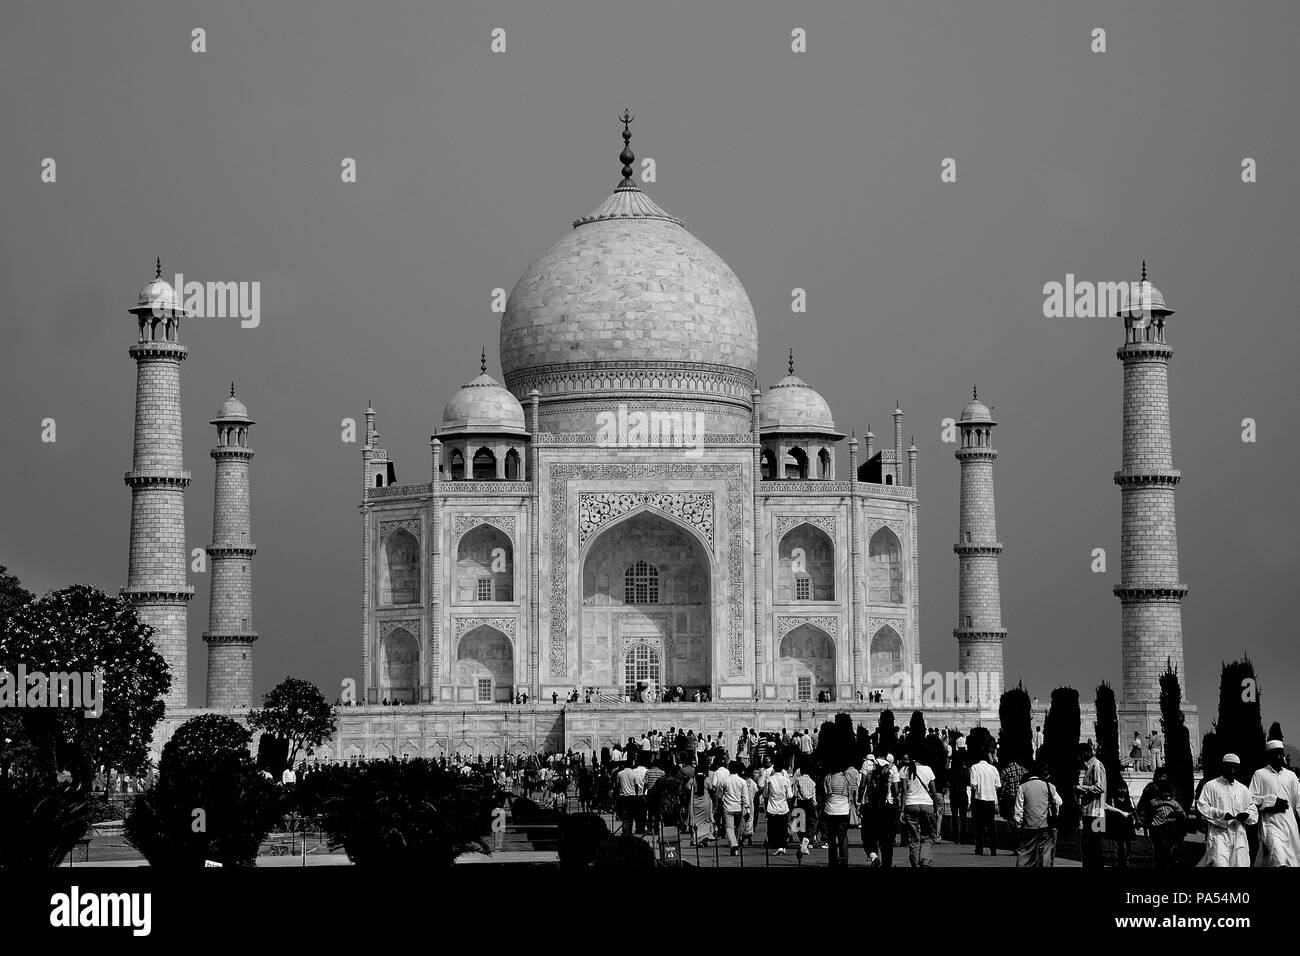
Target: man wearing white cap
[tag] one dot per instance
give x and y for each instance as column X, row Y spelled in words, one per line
column 1227, row 807
column 1276, row 792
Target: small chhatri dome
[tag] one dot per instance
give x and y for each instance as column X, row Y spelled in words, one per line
column 483, row 405
column 1142, row 297
column 976, row 411
column 232, row 410
column 792, row 405
column 158, row 294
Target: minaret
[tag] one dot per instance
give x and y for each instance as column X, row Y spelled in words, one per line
column 1149, row 591
column 156, row 576
column 898, row 443
column 230, row 633
column 979, row 629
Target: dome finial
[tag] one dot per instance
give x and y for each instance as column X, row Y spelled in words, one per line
column 158, row 268
column 627, row 157
column 232, row 389
column 974, row 393
column 1144, row 270
column 482, row 361
column 791, row 365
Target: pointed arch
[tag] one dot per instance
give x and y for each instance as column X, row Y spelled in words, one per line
column 399, row 570
column 806, row 663
column 484, row 464
column 885, row 568
column 805, row 565
column 885, row 657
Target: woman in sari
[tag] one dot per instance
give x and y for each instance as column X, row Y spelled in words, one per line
column 701, row 813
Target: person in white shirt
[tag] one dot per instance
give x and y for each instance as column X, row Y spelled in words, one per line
column 984, row 783
column 631, row 798
column 1228, row 808
column 1276, row 792
column 919, row 819
column 737, row 806
column 778, row 791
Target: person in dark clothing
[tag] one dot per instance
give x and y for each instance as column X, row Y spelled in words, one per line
column 959, row 796
column 1164, row 818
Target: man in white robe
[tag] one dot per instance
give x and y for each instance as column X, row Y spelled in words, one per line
column 1227, row 807
column 1276, row 791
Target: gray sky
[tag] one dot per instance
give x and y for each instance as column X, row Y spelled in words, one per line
column 818, row 170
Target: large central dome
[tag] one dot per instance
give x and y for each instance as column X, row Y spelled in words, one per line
column 630, row 306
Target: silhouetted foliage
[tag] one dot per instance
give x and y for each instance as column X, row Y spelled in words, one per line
column 209, row 803
column 1016, row 731
column 624, row 853
column 1240, row 727
column 1061, row 746
column 1178, row 739
column 581, row 835
column 43, row 822
column 1108, row 742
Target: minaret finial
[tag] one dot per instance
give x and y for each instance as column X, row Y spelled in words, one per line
column 482, row 361
column 791, row 365
column 1144, row 270
column 975, row 393
column 627, row 157
column 158, row 268
column 232, row 389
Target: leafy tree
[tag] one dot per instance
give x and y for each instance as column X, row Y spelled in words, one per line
column 400, row 813
column 1016, row 733
column 1211, row 753
column 48, row 821
column 1108, row 744
column 979, row 743
column 298, row 712
column 1178, row 740
column 80, row 629
column 12, row 596
column 1061, row 742
column 1240, row 727
column 209, row 803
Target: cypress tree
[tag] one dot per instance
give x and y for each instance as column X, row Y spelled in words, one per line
column 1108, row 743
column 1178, row 739
column 1240, row 727
column 1061, row 741
column 1016, row 731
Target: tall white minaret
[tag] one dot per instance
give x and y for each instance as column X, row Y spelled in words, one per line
column 979, row 629
column 230, row 635
column 156, row 573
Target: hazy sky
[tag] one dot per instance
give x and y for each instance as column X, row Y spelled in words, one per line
column 818, row 170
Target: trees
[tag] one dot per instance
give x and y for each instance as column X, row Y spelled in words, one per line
column 210, row 802
column 1061, row 741
column 1108, row 742
column 296, row 711
column 80, row 629
column 1016, row 731
column 47, row 821
column 1240, row 728
column 888, row 743
column 1178, row 740
column 916, row 736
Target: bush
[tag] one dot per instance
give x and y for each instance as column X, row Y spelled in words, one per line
column 45, row 822
column 209, row 803
column 1016, row 733
column 407, row 813
column 580, row 838
column 624, row 853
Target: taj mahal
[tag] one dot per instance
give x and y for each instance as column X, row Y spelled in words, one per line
column 629, row 520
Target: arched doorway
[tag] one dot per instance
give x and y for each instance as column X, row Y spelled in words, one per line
column 485, row 666
column 806, row 665
column 399, row 666
column 886, row 658
column 646, row 584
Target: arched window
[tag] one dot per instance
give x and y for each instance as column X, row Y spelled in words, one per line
column 485, row 565
column 641, row 584
column 485, row 465
column 885, row 568
column 805, row 568
column 399, row 581
column 886, row 656
column 379, row 481
column 457, row 465
column 512, row 465
column 641, row 666
column 889, row 479
column 823, row 464
column 796, row 463
column 769, row 464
